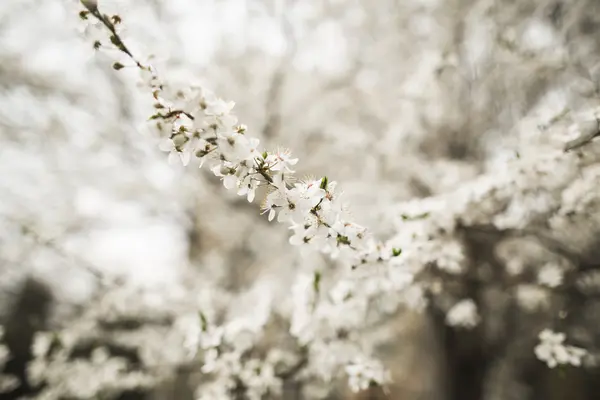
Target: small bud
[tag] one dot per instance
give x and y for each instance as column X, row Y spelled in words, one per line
column 117, row 66
column 179, row 140
column 317, row 281
column 406, row 217
column 324, row 183
column 203, row 321
column 343, row 239
column 396, row 252
column 115, row 40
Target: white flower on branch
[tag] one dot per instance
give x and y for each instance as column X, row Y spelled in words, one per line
column 281, row 160
column 247, row 186
column 295, row 203
column 200, row 124
column 238, row 148
column 180, row 147
column 227, row 172
column 216, row 107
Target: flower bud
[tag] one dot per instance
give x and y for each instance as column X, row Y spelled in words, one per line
column 179, row 140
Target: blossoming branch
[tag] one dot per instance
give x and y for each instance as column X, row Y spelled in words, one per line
column 197, row 124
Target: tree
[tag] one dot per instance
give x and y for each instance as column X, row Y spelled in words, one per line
column 490, row 214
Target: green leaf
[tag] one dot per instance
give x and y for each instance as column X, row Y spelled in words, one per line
column 343, row 239
column 396, row 252
column 317, row 281
column 203, row 321
column 324, row 183
column 414, row 217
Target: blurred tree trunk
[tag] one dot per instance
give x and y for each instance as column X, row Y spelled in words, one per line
column 28, row 314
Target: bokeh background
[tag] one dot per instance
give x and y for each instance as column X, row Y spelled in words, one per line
column 396, row 100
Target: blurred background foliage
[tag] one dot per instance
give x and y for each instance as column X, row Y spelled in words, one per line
column 394, row 99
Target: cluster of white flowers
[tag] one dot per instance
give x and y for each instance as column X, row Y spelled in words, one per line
column 364, row 372
column 101, row 374
column 553, row 351
column 198, row 127
column 451, row 257
column 226, row 354
column 209, row 131
column 204, row 126
column 255, row 375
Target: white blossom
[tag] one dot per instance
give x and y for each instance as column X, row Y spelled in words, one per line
column 550, row 275
column 532, row 297
column 362, row 372
column 554, row 352
column 180, row 148
column 259, row 377
column 198, row 124
column 281, row 160
column 463, row 314
column 237, row 148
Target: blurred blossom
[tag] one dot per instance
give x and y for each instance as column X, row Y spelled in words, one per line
column 550, row 275
column 429, row 158
column 463, row 314
column 553, row 351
